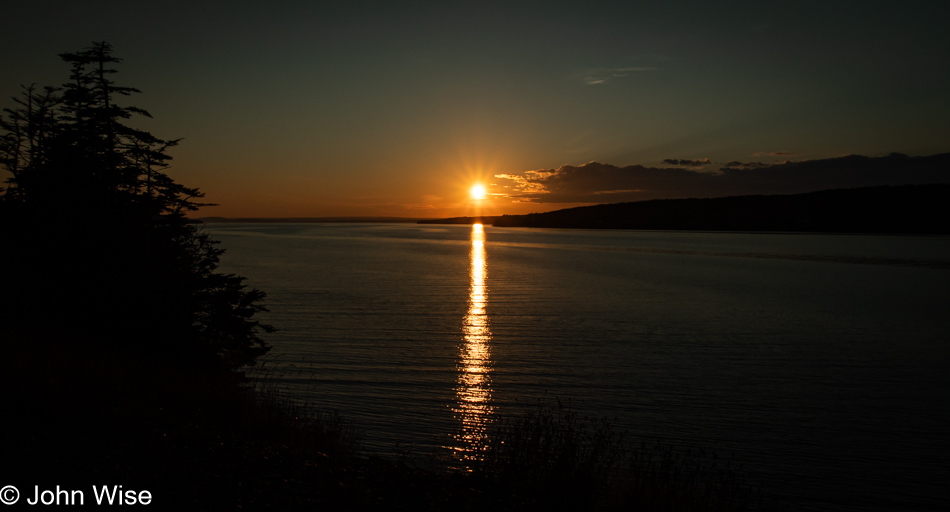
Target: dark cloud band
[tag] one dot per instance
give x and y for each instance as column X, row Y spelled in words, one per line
column 604, row 183
column 687, row 163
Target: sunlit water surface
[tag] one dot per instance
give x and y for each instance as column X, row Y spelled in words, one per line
column 821, row 363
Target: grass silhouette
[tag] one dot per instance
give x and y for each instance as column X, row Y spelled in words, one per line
column 75, row 417
column 550, row 456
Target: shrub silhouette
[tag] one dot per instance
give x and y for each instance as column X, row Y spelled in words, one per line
column 97, row 248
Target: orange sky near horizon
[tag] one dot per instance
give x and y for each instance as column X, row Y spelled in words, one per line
column 443, row 191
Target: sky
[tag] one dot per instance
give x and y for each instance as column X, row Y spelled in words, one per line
column 314, row 109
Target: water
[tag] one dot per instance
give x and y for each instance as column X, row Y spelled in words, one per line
column 819, row 362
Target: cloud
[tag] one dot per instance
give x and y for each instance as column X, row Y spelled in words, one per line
column 600, row 76
column 604, row 183
column 773, row 153
column 735, row 164
column 687, row 163
column 595, row 183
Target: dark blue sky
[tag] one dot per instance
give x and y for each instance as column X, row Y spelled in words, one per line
column 396, row 108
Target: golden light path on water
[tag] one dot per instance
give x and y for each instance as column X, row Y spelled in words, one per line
column 473, row 391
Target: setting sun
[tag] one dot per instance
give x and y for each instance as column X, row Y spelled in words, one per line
column 478, row 192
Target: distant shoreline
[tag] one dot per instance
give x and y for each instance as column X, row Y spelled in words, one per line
column 906, row 209
column 407, row 220
column 483, row 219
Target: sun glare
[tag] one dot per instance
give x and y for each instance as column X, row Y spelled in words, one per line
column 478, row 192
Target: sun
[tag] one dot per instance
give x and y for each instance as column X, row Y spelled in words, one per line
column 478, row 192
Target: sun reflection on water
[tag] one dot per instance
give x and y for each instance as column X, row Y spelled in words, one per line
column 473, row 392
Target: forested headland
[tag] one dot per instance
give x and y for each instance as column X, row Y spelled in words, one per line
column 908, row 209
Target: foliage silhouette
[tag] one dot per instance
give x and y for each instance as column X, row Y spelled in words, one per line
column 97, row 246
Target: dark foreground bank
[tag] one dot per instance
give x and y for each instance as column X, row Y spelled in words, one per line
column 75, row 418
column 194, row 442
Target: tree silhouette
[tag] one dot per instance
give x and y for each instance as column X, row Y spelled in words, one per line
column 98, row 249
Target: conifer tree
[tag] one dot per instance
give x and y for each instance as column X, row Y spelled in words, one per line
column 25, row 132
column 99, row 249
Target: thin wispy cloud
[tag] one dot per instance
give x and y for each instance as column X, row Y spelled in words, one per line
column 601, row 76
column 735, row 164
column 773, row 153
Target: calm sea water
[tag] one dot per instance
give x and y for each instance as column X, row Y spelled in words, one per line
column 820, row 363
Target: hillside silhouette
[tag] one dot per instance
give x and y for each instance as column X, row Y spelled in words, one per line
column 908, row 209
